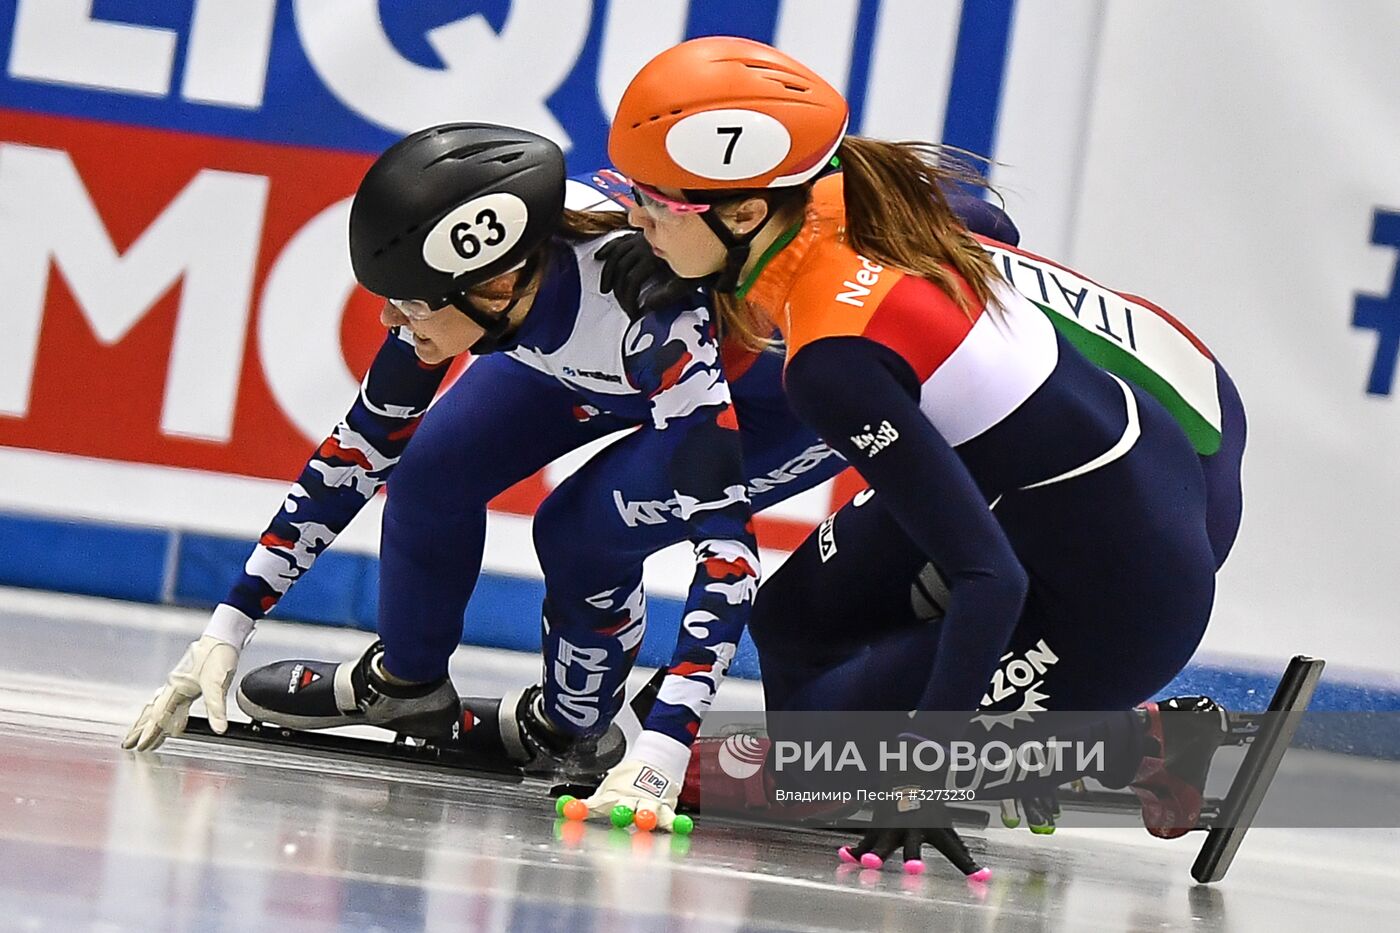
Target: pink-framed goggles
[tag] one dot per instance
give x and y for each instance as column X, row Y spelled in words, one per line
column 648, row 198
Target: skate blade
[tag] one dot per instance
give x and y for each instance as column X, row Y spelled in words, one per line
column 1227, row 819
column 1251, row 783
column 404, row 749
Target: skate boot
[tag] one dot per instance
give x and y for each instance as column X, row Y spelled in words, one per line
column 515, row 727
column 324, row 694
column 1183, row 734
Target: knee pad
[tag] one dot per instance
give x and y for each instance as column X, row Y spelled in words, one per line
column 928, row 594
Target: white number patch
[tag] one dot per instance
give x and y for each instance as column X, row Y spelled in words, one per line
column 728, row 145
column 476, row 233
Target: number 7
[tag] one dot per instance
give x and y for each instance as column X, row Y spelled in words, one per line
column 737, row 131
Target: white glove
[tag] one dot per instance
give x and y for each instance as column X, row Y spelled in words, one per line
column 206, row 670
column 644, row 780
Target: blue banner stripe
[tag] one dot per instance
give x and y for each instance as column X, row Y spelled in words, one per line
column 92, row 559
column 979, row 69
column 861, row 59
column 344, row 590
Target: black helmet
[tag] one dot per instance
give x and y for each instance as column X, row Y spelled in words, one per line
column 451, row 206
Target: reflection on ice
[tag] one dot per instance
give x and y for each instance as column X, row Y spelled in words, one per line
column 204, row 836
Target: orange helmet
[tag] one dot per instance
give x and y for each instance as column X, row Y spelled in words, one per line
column 723, row 112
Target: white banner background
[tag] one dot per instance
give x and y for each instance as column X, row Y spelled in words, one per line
column 1234, row 156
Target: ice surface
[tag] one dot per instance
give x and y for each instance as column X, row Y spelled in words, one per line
column 212, row 837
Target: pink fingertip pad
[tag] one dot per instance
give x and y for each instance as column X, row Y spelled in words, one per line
column 914, row 866
column 871, row 860
column 981, row 875
column 844, row 854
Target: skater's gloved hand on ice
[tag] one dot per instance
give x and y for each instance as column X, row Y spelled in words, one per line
column 640, row 280
column 906, row 825
column 206, row 670
column 1039, row 813
column 649, row 778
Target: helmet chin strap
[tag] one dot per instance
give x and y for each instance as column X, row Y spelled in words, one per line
column 736, row 248
column 496, row 328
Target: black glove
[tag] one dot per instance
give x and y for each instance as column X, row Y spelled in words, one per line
column 1040, row 811
column 639, row 279
column 893, row 831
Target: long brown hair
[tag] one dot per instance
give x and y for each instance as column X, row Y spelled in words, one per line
column 745, row 324
column 574, row 224
column 898, row 215
column 585, row 225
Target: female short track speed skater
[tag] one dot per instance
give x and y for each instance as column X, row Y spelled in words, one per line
column 1075, row 511
column 464, row 229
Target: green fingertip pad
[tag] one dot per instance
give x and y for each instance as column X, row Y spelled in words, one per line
column 1010, row 822
column 561, row 802
column 621, row 816
column 1044, row 830
column 682, row 825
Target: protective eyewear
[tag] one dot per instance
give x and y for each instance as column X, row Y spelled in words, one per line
column 650, row 199
column 415, row 309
